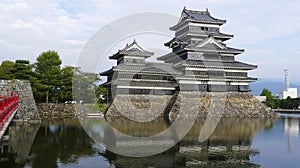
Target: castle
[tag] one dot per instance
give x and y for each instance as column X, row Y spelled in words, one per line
column 200, row 61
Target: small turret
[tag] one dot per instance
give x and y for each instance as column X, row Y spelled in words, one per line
column 131, row 54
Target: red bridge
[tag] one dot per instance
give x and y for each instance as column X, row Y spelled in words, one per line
column 8, row 109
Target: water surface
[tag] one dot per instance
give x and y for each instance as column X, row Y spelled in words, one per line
column 234, row 143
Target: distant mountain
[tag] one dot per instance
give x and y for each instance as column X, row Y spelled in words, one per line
column 275, row 85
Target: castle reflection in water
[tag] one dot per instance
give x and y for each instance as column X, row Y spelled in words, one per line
column 228, row 146
column 57, row 143
column 234, row 143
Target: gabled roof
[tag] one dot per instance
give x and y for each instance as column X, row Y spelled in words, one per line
column 132, row 50
column 199, row 17
column 209, row 41
column 212, row 45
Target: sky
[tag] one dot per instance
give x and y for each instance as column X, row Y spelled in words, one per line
column 268, row 30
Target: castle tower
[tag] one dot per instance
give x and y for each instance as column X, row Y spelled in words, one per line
column 198, row 49
column 134, row 75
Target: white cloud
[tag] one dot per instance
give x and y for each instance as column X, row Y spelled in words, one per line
column 20, row 24
column 13, row 6
column 31, row 27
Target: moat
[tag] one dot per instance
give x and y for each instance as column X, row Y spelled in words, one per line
column 234, row 143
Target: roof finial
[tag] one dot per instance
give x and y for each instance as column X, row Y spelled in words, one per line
column 134, row 41
column 126, row 44
column 207, row 10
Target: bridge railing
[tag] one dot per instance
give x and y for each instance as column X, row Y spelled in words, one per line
column 7, row 106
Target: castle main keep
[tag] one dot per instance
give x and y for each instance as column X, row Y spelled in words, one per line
column 200, row 61
column 199, row 69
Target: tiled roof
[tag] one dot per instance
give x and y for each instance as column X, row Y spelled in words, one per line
column 107, row 72
column 248, row 79
column 219, row 35
column 133, row 50
column 201, row 16
column 211, row 47
column 150, row 67
column 219, row 64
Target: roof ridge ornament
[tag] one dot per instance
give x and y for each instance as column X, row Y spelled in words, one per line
column 185, row 11
column 207, row 11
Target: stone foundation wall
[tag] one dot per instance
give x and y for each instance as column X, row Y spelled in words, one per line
column 200, row 104
column 27, row 107
column 227, row 104
column 51, row 110
column 139, row 105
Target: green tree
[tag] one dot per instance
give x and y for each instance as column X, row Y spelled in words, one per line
column 38, row 89
column 66, row 80
column 48, row 72
column 102, row 94
column 5, row 72
column 268, row 94
column 22, row 70
column 289, row 103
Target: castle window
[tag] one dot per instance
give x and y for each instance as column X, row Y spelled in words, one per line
column 204, row 28
column 213, row 29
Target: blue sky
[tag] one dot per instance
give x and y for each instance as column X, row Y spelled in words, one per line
column 269, row 30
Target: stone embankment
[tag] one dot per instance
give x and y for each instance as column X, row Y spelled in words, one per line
column 56, row 111
column 61, row 111
column 138, row 106
column 27, row 108
column 190, row 104
column 229, row 104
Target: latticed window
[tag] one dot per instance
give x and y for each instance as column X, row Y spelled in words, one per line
column 238, row 74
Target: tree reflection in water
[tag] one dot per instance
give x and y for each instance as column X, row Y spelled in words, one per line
column 63, row 141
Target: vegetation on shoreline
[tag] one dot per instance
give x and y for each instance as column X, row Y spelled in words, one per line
column 50, row 82
column 275, row 103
